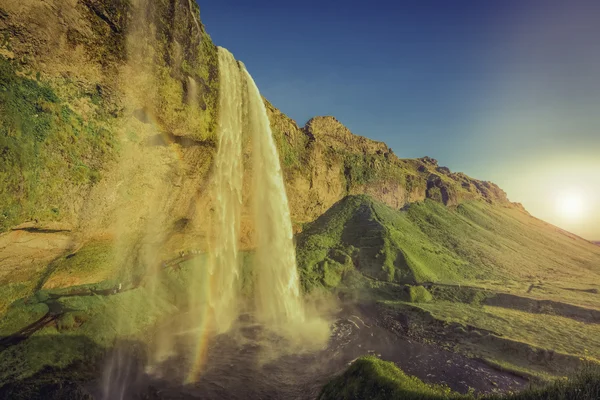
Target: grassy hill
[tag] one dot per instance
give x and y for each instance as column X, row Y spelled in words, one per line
column 472, row 244
column 485, row 280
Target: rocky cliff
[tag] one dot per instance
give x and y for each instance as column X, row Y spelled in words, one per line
column 108, row 112
column 325, row 162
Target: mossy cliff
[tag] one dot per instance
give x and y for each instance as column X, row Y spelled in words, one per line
column 80, row 79
column 109, row 118
column 107, row 132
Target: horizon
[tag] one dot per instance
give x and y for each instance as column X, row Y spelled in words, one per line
column 502, row 92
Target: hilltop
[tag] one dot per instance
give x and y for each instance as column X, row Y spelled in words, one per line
column 324, row 162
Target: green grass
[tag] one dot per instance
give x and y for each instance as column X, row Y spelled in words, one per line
column 45, row 148
column 543, row 331
column 94, row 262
column 10, row 292
column 99, row 320
column 476, row 244
column 370, row 378
column 18, row 318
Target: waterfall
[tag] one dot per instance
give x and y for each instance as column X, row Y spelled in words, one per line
column 215, row 293
column 277, row 289
column 228, row 194
column 276, row 285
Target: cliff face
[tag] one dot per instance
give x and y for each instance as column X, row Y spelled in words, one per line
column 325, row 162
column 94, row 88
column 107, row 132
column 108, row 112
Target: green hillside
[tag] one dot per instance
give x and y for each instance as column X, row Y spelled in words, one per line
column 484, row 280
column 472, row 244
column 372, row 378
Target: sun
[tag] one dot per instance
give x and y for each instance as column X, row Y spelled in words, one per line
column 570, row 205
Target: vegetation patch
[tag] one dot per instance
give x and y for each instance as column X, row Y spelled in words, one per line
column 95, row 262
column 475, row 244
column 543, row 331
column 46, row 149
column 372, row 378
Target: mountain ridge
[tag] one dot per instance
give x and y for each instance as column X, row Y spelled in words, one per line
column 354, row 164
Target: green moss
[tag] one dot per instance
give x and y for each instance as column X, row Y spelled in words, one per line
column 45, row 148
column 97, row 319
column 371, row 378
column 18, row 318
column 13, row 291
column 109, row 20
column 189, row 63
column 94, row 262
column 418, row 294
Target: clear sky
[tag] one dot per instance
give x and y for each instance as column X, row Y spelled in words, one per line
column 503, row 90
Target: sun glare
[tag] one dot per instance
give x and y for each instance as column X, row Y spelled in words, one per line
column 570, row 205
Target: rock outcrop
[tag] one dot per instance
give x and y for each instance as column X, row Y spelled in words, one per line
column 325, row 162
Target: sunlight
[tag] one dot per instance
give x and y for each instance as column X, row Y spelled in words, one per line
column 570, row 205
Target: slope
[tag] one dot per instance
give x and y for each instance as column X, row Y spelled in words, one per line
column 485, row 280
column 472, row 244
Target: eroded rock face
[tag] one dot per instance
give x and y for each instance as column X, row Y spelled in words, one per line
column 325, row 162
column 144, row 75
column 322, row 161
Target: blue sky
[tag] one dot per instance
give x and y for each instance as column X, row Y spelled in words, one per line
column 503, row 90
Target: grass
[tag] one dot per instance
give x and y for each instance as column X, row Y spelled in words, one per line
column 373, row 379
column 95, row 262
column 99, row 320
column 544, row 331
column 534, row 345
column 474, row 244
column 13, row 291
column 19, row 317
column 45, row 149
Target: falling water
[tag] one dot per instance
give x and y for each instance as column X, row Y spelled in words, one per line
column 277, row 291
column 276, row 286
column 242, row 115
column 228, row 194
